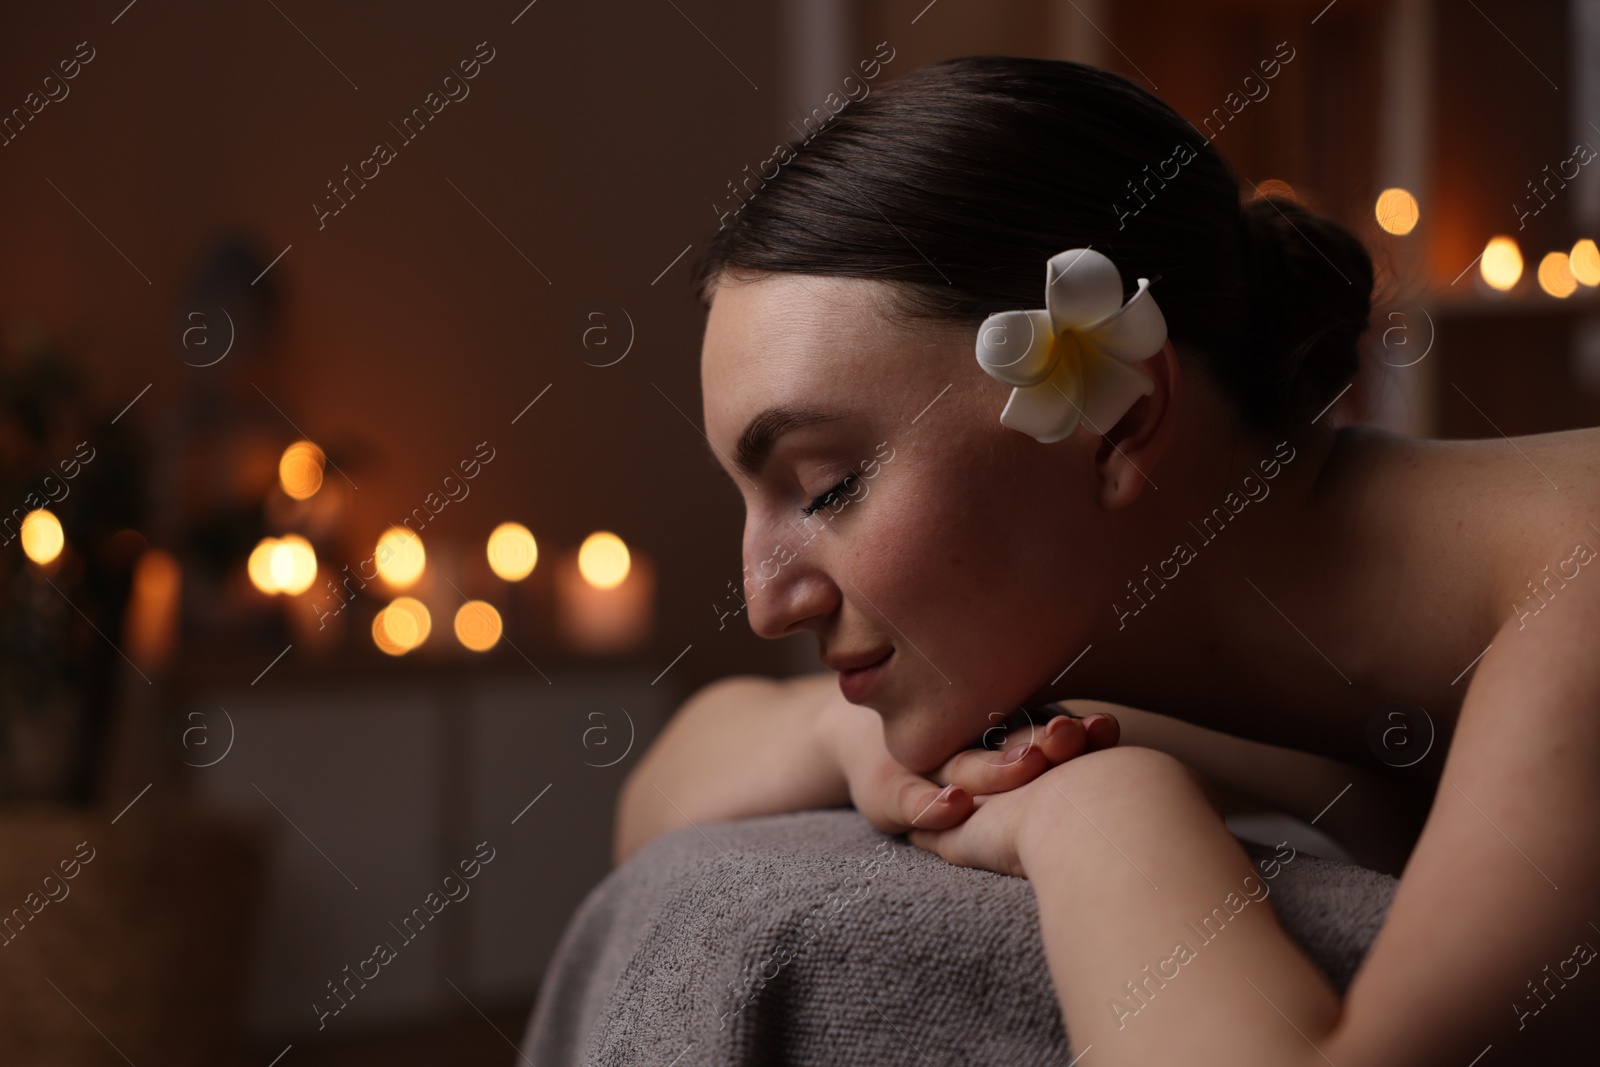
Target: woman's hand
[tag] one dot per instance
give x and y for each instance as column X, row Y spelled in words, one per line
column 992, row 839
column 988, row 838
column 895, row 799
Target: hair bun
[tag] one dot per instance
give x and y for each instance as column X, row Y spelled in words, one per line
column 1310, row 284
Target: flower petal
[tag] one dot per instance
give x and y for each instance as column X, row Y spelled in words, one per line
column 1017, row 347
column 1110, row 388
column 1081, row 286
column 1049, row 410
column 1135, row 331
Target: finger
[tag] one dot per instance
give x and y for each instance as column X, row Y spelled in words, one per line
column 919, row 803
column 1104, row 731
column 1061, row 738
column 948, row 845
column 1064, row 737
column 979, row 772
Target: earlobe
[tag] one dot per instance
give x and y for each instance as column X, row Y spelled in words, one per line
column 1132, row 448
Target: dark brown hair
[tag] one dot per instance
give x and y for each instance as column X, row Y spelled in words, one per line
column 958, row 181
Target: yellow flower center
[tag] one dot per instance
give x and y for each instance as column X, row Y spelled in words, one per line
column 1067, row 355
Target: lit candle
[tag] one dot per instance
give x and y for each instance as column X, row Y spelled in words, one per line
column 150, row 622
column 605, row 596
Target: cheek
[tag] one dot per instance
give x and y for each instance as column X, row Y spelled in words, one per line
column 971, row 591
column 981, row 576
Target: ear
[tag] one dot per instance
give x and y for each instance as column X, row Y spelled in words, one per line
column 1132, row 448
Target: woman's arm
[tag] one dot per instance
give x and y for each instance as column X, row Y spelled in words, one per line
column 1155, row 923
column 747, row 746
column 741, row 746
column 1374, row 820
column 1159, row 946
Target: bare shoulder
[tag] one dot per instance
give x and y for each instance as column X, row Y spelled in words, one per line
column 1555, row 535
column 1540, row 675
column 731, row 687
column 757, row 692
column 811, row 690
column 1499, row 509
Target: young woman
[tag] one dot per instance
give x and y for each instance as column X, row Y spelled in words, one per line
column 1208, row 549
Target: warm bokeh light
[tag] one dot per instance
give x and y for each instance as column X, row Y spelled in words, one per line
column 1585, row 262
column 383, row 638
column 1501, row 264
column 42, row 537
column 260, row 565
column 1397, row 211
column 603, row 560
column 300, row 470
column 282, row 564
column 150, row 622
column 606, row 622
column 512, row 551
column 1276, row 187
column 293, row 564
column 399, row 557
column 402, row 626
column 478, row 625
column 1555, row 276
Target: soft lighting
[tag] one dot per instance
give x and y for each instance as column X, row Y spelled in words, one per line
column 293, row 564
column 300, row 470
column 1555, row 276
column 42, row 538
column 417, row 612
column 150, row 623
column 611, row 621
column 478, row 625
column 1276, row 187
column 1397, row 211
column 402, row 626
column 1585, row 262
column 512, row 551
column 1501, row 264
column 383, row 638
column 603, row 560
column 260, row 565
column 399, row 557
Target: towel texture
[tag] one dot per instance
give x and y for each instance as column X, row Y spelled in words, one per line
column 813, row 938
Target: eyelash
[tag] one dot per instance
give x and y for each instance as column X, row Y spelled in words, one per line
column 827, row 498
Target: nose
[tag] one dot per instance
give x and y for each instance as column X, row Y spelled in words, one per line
column 786, row 589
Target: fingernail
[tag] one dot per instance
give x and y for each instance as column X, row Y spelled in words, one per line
column 1016, row 755
column 951, row 794
column 1100, row 728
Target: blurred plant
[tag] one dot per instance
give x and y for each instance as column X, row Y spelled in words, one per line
column 58, row 667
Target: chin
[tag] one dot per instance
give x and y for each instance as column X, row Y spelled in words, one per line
column 915, row 747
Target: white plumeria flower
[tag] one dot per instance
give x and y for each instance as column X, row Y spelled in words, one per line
column 1073, row 359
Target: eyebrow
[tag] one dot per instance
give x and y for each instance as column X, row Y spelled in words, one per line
column 759, row 437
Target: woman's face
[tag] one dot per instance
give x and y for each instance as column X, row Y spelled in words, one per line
column 969, row 552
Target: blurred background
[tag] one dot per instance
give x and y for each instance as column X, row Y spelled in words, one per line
column 358, row 532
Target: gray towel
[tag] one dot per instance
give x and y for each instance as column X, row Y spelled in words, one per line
column 813, row 938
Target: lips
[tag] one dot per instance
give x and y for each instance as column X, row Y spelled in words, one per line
column 856, row 683
column 857, row 660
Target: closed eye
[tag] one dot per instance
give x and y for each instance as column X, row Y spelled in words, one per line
column 829, row 498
